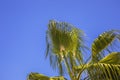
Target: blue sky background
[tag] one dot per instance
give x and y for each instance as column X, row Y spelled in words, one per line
column 23, row 24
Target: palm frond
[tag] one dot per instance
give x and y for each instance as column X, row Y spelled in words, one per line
column 64, row 36
column 58, row 78
column 107, row 68
column 60, row 37
column 103, row 71
column 37, row 76
column 57, row 63
column 112, row 58
column 100, row 44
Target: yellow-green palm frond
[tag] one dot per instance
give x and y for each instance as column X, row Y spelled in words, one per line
column 107, row 68
column 37, row 76
column 99, row 71
column 63, row 37
column 112, row 58
column 104, row 71
column 104, row 43
column 58, row 78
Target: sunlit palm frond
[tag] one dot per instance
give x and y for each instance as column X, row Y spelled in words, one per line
column 63, row 37
column 100, row 71
column 37, row 76
column 58, row 78
column 107, row 68
column 112, row 58
column 104, row 71
column 102, row 42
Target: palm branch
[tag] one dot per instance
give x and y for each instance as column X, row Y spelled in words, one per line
column 107, row 68
column 106, row 42
column 37, row 76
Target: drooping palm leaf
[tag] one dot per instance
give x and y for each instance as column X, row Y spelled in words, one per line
column 63, row 37
column 37, row 76
column 102, row 42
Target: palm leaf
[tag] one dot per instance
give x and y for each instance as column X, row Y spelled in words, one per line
column 100, row 71
column 102, row 42
column 107, row 68
column 63, row 37
column 104, row 71
column 112, row 58
column 37, row 76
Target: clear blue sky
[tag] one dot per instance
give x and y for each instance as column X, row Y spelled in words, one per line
column 23, row 24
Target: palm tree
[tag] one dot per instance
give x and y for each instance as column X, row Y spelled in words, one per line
column 65, row 49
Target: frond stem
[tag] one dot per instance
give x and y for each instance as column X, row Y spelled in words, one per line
column 67, row 65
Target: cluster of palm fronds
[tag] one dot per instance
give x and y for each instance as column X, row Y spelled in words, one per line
column 65, row 46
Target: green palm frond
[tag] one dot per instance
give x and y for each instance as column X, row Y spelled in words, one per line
column 102, row 42
column 107, row 68
column 112, row 58
column 37, row 76
column 104, row 71
column 100, row 71
column 58, row 78
column 63, row 37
